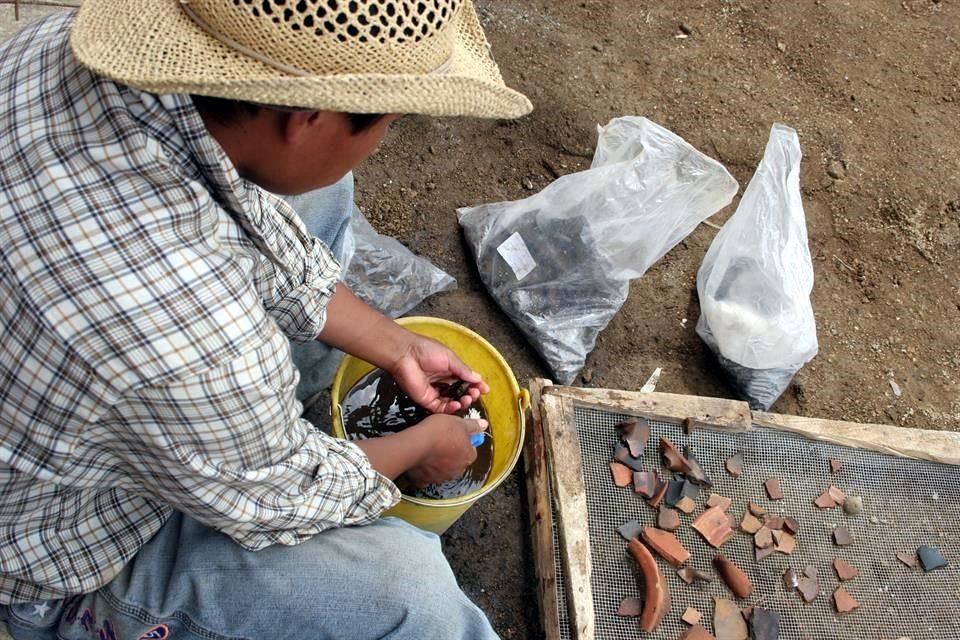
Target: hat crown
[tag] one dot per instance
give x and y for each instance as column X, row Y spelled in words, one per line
column 328, row 37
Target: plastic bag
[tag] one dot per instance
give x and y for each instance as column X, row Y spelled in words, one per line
column 388, row 276
column 559, row 262
column 755, row 281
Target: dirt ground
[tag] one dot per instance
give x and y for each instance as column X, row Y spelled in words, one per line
column 872, row 87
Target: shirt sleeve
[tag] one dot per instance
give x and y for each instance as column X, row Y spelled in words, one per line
column 296, row 292
column 227, row 447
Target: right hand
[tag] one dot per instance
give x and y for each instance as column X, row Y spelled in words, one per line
column 447, row 450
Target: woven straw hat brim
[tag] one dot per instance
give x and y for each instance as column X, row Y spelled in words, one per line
column 154, row 46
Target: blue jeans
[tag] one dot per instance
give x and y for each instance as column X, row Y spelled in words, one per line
column 326, row 213
column 385, row 580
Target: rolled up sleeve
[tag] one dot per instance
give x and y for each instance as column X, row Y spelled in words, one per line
column 229, row 448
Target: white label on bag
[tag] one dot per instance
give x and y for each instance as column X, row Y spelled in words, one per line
column 514, row 251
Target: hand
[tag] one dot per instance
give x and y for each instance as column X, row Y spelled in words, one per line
column 426, row 362
column 448, row 450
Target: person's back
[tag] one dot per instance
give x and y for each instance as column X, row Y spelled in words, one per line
column 147, row 289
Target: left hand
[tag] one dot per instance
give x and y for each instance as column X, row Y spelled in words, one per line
column 426, row 362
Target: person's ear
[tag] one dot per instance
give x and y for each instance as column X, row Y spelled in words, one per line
column 306, row 125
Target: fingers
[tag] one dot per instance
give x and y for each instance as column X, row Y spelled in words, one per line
column 476, row 426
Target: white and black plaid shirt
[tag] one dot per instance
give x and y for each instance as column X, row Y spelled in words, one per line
column 146, row 292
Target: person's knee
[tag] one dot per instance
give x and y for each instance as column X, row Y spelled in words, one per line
column 417, row 592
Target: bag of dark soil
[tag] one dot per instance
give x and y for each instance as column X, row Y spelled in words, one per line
column 559, row 263
column 755, row 281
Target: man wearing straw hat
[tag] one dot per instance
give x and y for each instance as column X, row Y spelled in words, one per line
column 156, row 478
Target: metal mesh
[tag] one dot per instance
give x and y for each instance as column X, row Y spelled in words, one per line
column 907, row 503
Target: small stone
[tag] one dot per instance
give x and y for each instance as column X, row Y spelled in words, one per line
column 622, row 454
column 665, row 544
column 750, row 524
column 527, row 184
column 836, row 170
column 685, row 28
column 686, row 505
column 837, row 494
column 718, row 501
column 909, row 559
column 430, row 186
column 810, row 571
column 734, row 465
column 763, row 538
column 766, row 552
column 781, row 47
column 622, row 474
column 645, row 483
column 774, row 492
column 790, row 580
column 844, row 602
column 696, row 472
column 835, row 466
column 733, row 576
column 672, row 459
column 764, row 625
column 659, row 495
column 597, row 47
column 690, row 574
column 845, row 570
column 691, row 616
column 931, row 558
column 630, row 530
column 756, row 509
column 874, row 520
column 635, row 434
column 842, row 537
column 853, row 505
column 668, row 519
column 791, row 524
column 728, row 623
column 784, row 542
column 674, row 490
column 587, row 375
column 809, row 588
column 825, row 501
column 697, row 632
column 630, row 607
column 714, row 526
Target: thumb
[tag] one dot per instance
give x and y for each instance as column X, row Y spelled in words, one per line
column 476, row 426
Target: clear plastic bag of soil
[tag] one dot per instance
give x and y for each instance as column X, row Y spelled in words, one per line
column 388, row 276
column 559, row 263
column 755, row 281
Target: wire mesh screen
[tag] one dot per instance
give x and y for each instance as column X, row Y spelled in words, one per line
column 907, row 503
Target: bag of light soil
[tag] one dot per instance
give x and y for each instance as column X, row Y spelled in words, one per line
column 755, row 281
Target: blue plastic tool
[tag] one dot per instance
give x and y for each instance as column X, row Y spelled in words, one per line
column 477, row 438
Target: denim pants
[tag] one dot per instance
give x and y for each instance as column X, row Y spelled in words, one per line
column 385, row 580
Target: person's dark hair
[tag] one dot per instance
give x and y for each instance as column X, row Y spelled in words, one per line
column 228, row 111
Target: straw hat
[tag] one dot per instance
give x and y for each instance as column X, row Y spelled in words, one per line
column 358, row 56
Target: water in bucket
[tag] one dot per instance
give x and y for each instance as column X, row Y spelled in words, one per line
column 375, row 406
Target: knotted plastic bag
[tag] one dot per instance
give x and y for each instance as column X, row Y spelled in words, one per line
column 388, row 276
column 755, row 281
column 559, row 262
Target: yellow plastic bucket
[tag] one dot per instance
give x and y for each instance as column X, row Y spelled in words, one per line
column 505, row 405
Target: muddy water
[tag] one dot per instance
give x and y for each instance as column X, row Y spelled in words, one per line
column 375, row 406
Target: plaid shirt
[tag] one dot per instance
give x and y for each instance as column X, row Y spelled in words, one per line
column 146, row 296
